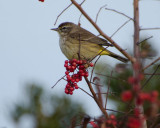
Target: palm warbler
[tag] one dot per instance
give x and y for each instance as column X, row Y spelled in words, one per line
column 76, row 42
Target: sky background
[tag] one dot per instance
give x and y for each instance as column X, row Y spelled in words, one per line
column 30, row 53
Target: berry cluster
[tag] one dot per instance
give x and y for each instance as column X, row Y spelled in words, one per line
column 111, row 121
column 75, row 70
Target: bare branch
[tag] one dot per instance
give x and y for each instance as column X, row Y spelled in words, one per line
column 142, row 29
column 109, row 81
column 144, row 40
column 112, row 77
column 115, row 111
column 120, row 13
column 94, row 68
column 102, row 33
column 95, row 98
column 152, row 74
column 120, row 27
column 151, row 64
column 86, row 92
column 150, row 77
column 62, row 13
column 99, row 12
column 58, row 81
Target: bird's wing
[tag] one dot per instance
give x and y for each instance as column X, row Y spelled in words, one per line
column 84, row 35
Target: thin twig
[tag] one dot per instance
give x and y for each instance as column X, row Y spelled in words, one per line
column 151, row 64
column 115, row 111
column 112, row 77
column 144, row 40
column 94, row 68
column 99, row 12
column 102, row 33
column 62, row 13
column 150, row 77
column 109, row 81
column 96, row 84
column 79, row 24
column 120, row 27
column 82, row 2
column 85, row 121
column 142, row 29
column 95, row 98
column 152, row 74
column 119, row 13
column 58, row 81
column 85, row 92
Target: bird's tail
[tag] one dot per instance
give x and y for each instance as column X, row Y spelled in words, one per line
column 109, row 53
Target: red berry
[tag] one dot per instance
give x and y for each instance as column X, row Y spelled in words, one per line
column 66, row 72
column 65, row 65
column 70, row 61
column 91, row 64
column 71, row 88
column 126, row 96
column 68, row 78
column 76, row 87
column 77, row 80
column 66, row 91
column 66, row 61
column 69, row 67
column 72, row 80
column 80, row 62
column 74, row 60
column 67, row 86
column 70, row 92
column 132, row 80
column 86, row 74
column 112, row 117
column 71, row 70
column 74, row 64
column 81, row 67
column 41, row 0
column 73, row 67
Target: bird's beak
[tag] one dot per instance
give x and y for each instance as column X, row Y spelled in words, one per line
column 54, row 29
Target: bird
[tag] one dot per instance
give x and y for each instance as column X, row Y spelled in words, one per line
column 78, row 43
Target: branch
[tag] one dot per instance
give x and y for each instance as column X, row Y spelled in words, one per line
column 99, row 12
column 144, row 40
column 62, row 13
column 86, row 92
column 58, row 81
column 112, row 77
column 95, row 98
column 142, row 29
column 102, row 33
column 120, row 27
column 120, row 13
column 150, row 77
column 151, row 64
column 109, row 81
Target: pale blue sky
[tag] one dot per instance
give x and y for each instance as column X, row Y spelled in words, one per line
column 29, row 50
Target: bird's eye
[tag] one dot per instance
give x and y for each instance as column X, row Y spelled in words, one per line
column 64, row 28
